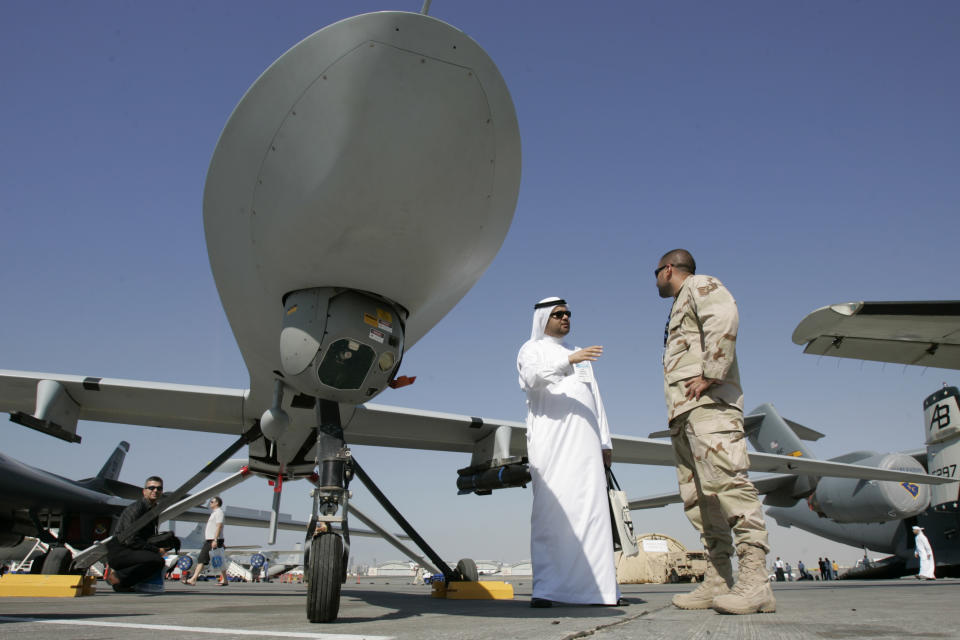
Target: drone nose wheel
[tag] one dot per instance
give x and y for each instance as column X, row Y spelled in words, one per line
column 326, row 566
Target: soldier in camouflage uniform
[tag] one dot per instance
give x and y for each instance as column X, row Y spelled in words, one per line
column 705, row 408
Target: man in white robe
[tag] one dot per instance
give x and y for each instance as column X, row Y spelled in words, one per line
column 924, row 551
column 568, row 446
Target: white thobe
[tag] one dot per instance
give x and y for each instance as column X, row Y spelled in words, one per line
column 925, row 553
column 571, row 543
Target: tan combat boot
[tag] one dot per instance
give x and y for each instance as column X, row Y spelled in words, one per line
column 752, row 593
column 716, row 581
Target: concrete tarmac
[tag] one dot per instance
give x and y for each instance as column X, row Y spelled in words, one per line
column 393, row 608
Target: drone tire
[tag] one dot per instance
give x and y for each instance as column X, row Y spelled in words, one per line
column 468, row 570
column 326, row 573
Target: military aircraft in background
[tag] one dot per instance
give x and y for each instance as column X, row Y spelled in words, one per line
column 871, row 514
column 854, row 513
column 874, row 515
column 37, row 503
column 358, row 191
column 923, row 333
column 840, row 499
column 68, row 515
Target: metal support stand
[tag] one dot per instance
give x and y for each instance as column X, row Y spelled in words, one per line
column 393, row 540
column 174, row 510
column 249, row 436
column 448, row 574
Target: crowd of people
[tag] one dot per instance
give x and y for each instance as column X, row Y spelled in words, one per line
column 826, row 570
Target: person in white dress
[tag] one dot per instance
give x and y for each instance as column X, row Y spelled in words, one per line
column 568, row 446
column 925, row 553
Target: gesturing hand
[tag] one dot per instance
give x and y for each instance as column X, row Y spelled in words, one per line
column 587, row 353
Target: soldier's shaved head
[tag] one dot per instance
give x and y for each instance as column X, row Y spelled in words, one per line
column 674, row 267
column 680, row 259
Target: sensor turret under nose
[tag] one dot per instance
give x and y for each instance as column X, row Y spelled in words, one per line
column 340, row 344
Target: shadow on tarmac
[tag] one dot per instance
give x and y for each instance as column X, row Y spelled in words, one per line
column 408, row 605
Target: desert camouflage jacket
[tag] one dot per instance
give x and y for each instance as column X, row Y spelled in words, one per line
column 701, row 339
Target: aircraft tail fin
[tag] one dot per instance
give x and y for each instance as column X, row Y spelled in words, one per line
column 194, row 539
column 770, row 433
column 804, row 433
column 111, row 468
column 941, row 419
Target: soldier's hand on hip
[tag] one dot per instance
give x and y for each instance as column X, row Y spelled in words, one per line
column 587, row 353
column 696, row 386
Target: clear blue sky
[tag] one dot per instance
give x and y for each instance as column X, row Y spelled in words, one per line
column 806, row 153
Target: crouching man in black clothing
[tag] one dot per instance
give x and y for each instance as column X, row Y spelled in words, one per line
column 135, row 554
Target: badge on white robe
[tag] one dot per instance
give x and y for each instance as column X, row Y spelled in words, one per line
column 584, row 371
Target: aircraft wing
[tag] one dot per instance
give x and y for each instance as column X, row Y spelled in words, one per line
column 178, row 406
column 764, row 485
column 244, row 517
column 809, row 467
column 772, row 483
column 220, row 410
column 925, row 333
column 385, row 426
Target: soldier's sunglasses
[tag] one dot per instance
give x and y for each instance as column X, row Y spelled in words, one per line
column 656, row 272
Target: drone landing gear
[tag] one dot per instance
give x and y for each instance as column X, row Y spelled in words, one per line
column 329, row 548
column 462, row 583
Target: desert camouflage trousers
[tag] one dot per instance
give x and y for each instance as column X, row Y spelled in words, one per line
column 718, row 498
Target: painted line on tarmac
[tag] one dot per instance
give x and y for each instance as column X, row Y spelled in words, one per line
column 211, row 630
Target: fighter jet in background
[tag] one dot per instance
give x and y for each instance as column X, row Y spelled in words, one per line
column 68, row 515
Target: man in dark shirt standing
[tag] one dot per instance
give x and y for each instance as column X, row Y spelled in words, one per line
column 133, row 558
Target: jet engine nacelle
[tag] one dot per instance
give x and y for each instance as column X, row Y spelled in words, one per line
column 941, row 419
column 854, row 500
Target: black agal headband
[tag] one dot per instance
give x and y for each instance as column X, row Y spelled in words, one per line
column 549, row 303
